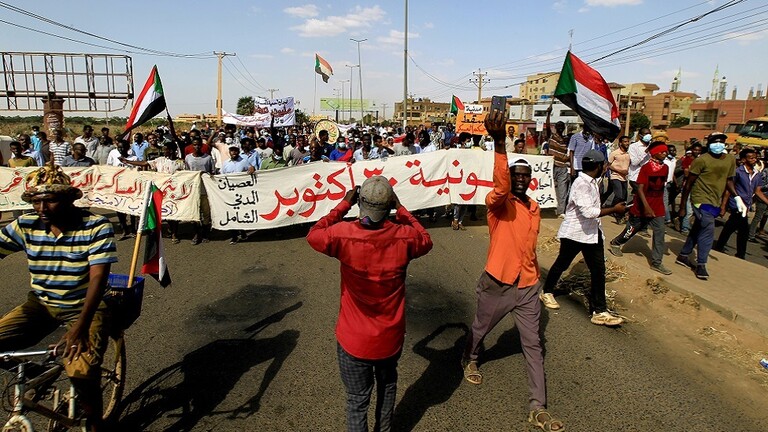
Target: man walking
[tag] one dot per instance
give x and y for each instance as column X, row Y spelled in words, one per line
column 618, row 164
column 578, row 146
column 709, row 176
column 558, row 148
column 510, row 282
column 748, row 183
column 581, row 232
column 374, row 254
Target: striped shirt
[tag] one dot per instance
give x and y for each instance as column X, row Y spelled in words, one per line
column 59, row 267
column 60, row 151
column 579, row 146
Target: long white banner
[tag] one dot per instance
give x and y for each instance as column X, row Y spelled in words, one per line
column 305, row 193
column 282, row 110
column 118, row 189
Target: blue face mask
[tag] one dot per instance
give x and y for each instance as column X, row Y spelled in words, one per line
column 647, row 138
column 717, row 148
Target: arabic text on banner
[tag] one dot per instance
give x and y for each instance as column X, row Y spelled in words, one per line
column 282, row 109
column 286, row 196
column 112, row 188
column 472, row 123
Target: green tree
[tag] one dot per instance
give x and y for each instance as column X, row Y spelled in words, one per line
column 679, row 122
column 638, row 121
column 246, row 105
column 301, row 117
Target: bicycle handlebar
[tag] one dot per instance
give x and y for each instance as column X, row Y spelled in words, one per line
column 24, row 354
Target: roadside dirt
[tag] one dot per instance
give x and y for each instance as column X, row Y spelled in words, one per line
column 709, row 344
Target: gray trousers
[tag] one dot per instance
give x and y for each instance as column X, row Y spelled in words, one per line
column 562, row 178
column 358, row 377
column 760, row 208
column 494, row 301
column 636, row 224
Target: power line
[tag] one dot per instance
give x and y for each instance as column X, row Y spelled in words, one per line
column 247, row 80
column 56, row 23
column 249, row 74
column 250, row 89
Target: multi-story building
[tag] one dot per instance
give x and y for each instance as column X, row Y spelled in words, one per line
column 423, row 111
column 538, row 85
column 663, row 108
column 719, row 114
column 538, row 111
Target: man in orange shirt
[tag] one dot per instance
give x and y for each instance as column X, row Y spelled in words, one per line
column 510, row 282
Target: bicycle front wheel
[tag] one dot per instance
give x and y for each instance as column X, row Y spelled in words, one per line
column 113, row 376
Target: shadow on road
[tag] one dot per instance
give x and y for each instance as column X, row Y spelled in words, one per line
column 184, row 393
column 437, row 383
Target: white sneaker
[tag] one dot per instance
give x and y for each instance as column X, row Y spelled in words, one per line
column 606, row 319
column 549, row 301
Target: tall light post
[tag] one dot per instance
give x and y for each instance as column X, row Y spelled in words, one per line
column 350, row 90
column 405, row 70
column 360, row 76
column 342, row 97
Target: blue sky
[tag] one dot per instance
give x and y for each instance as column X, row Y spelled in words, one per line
column 276, row 42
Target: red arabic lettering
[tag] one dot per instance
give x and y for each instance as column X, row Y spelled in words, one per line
column 281, row 201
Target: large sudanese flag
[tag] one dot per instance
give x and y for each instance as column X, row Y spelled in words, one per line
column 323, row 67
column 154, row 253
column 584, row 90
column 151, row 102
column 456, row 105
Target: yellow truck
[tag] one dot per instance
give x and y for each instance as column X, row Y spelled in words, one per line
column 754, row 133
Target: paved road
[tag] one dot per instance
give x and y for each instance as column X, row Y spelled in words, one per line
column 244, row 340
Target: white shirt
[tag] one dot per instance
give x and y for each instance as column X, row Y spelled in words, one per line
column 113, row 158
column 166, row 166
column 671, row 164
column 429, row 148
column 638, row 156
column 91, row 144
column 582, row 214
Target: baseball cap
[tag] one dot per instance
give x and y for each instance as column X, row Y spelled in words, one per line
column 593, row 156
column 375, row 198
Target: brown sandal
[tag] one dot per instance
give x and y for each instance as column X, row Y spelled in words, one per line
column 551, row 424
column 472, row 372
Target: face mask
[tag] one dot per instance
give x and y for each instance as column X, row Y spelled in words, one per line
column 468, row 144
column 717, row 148
column 342, row 146
column 228, row 140
column 646, row 138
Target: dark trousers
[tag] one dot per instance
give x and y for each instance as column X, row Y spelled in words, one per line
column 494, row 301
column 636, row 224
column 739, row 224
column 125, row 226
column 701, row 237
column 358, row 377
column 594, row 257
column 619, row 189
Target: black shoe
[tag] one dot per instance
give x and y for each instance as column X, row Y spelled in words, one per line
column 701, row 272
column 683, row 261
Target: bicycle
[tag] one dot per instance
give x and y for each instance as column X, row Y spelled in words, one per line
column 30, row 394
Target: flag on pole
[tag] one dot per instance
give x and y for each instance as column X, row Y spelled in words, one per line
column 323, row 67
column 584, row 90
column 154, row 254
column 456, row 105
column 151, row 101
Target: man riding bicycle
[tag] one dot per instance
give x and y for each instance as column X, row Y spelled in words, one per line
column 69, row 252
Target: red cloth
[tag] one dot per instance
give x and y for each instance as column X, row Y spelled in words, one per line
column 687, row 161
column 205, row 149
column 371, row 321
column 514, row 230
column 653, row 176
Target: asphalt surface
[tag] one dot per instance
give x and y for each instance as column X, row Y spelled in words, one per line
column 244, row 341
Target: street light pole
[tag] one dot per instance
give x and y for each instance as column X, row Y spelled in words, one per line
column 360, row 76
column 405, row 71
column 350, row 90
column 342, row 97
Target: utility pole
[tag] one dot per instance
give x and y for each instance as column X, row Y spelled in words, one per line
column 350, row 89
column 360, row 76
column 342, row 96
column 479, row 80
column 405, row 70
column 220, row 55
column 272, row 93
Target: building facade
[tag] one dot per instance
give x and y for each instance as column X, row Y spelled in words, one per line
column 663, row 108
column 538, row 85
column 423, row 111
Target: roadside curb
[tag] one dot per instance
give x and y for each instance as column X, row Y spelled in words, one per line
column 749, row 321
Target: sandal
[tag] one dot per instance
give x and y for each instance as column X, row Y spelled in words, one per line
column 472, row 372
column 551, row 424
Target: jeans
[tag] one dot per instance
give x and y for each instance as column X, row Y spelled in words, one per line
column 667, row 215
column 740, row 224
column 358, row 376
column 562, row 185
column 619, row 189
column 459, row 211
column 594, row 257
column 702, row 236
column 685, row 225
column 636, row 224
column 757, row 221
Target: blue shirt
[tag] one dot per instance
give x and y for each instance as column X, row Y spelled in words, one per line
column 138, row 150
column 36, row 143
column 238, row 165
column 579, row 146
column 745, row 186
column 336, row 154
column 253, row 159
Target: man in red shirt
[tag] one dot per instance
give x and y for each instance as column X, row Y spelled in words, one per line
column 374, row 254
column 510, row 282
column 648, row 207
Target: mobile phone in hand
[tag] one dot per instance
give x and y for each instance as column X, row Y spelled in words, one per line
column 498, row 103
